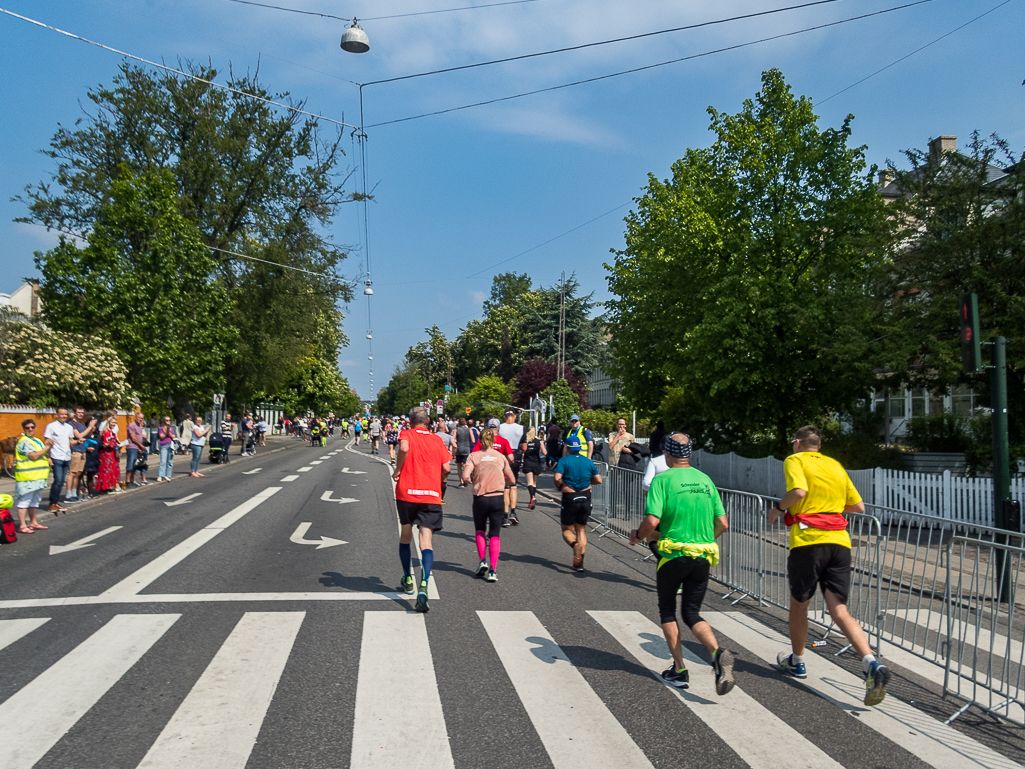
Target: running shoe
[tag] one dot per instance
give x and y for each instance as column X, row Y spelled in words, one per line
column 421, row 599
column 722, row 664
column 875, row 683
column 515, row 521
column 578, row 560
column 505, row 522
column 482, row 569
column 492, row 576
column 530, row 505
column 788, row 666
column 407, row 585
column 678, row 678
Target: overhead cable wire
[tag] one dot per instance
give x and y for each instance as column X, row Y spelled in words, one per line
column 917, row 50
column 606, row 42
column 650, row 66
column 276, row 264
column 550, row 240
column 265, row 100
column 381, row 18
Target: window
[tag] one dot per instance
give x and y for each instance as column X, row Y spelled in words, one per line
column 935, row 403
column 962, row 400
column 897, row 405
column 918, row 397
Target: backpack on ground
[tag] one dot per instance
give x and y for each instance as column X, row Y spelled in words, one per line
column 8, row 529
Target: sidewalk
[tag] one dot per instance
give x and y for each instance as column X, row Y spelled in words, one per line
column 182, row 463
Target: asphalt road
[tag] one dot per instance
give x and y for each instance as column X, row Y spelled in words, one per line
column 226, row 631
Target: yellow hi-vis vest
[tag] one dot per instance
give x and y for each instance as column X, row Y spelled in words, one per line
column 580, row 432
column 26, row 469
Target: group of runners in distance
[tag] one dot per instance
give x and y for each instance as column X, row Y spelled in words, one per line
column 684, row 516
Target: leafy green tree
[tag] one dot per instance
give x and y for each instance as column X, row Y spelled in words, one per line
column 506, row 289
column 146, row 283
column 750, row 275
column 478, row 350
column 404, row 390
column 317, row 387
column 489, row 394
column 251, row 178
column 433, row 359
column 959, row 228
column 564, row 399
column 540, row 327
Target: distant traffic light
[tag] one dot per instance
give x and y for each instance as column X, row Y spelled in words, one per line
column 971, row 345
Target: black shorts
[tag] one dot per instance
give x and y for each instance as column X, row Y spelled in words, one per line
column 810, row 566
column 576, row 508
column 530, row 466
column 426, row 515
column 461, row 458
column 489, row 510
column 691, row 574
column 515, row 466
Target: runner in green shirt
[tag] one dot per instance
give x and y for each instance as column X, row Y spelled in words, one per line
column 685, row 506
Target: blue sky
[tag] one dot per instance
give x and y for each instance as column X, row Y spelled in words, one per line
column 458, row 193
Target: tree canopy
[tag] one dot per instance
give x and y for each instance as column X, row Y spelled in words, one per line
column 959, row 228
column 252, row 180
column 748, row 276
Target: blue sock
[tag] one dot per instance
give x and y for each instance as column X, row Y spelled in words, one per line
column 427, row 561
column 406, row 556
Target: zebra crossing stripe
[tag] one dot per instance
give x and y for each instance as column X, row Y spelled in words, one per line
column 399, row 721
column 935, row 743
column 52, row 703
column 217, row 724
column 12, row 630
column 550, row 687
column 756, row 734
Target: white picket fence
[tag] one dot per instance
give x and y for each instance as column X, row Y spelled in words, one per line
column 968, row 500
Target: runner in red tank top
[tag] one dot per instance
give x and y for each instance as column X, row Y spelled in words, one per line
column 421, row 466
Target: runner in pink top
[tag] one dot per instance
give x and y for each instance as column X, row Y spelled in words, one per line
column 489, row 471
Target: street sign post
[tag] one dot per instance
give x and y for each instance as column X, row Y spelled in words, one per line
column 441, row 407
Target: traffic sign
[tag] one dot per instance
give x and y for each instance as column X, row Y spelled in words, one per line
column 467, row 410
column 218, row 399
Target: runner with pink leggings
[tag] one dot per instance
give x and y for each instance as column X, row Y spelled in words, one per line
column 489, row 472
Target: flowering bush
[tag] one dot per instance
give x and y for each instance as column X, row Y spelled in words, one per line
column 44, row 368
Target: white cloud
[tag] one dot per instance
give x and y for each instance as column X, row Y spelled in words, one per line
column 46, row 239
column 478, row 297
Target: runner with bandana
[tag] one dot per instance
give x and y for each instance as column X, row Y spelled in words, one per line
column 685, row 505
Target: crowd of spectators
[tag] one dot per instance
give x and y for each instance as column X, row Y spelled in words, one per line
column 79, row 456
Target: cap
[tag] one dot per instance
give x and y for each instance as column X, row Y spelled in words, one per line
column 492, row 423
column 573, row 443
column 510, row 411
column 574, row 418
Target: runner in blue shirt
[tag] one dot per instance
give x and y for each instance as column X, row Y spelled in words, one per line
column 574, row 476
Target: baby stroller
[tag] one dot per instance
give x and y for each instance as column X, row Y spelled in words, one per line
column 250, row 445
column 179, row 447
column 219, row 445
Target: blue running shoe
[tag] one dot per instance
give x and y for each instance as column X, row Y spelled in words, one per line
column 795, row 669
column 421, row 599
column 482, row 568
column 875, row 683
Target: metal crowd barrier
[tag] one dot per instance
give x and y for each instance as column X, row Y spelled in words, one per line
column 948, row 592
column 984, row 664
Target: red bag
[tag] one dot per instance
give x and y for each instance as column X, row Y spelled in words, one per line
column 8, row 529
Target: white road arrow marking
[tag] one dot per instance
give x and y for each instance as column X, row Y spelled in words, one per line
column 353, row 472
column 83, row 542
column 326, row 497
column 302, row 528
column 253, row 471
column 184, row 500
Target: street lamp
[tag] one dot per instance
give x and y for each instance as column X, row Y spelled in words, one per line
column 355, row 40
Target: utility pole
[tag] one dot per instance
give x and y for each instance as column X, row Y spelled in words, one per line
column 562, row 327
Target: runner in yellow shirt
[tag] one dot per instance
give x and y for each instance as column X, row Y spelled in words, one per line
column 819, row 492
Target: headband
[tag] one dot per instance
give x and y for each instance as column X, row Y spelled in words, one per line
column 674, row 449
